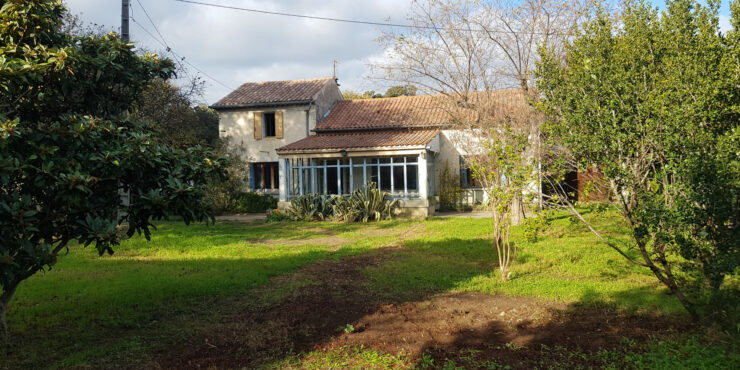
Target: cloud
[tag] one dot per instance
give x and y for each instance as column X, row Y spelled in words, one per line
column 235, row 46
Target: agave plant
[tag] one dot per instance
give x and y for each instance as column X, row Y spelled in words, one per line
column 345, row 209
column 309, row 207
column 373, row 203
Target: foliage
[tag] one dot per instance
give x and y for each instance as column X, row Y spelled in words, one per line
column 654, row 100
column 400, row 90
column 450, row 191
column 535, row 225
column 392, row 92
column 179, row 122
column 366, row 203
column 225, row 195
column 310, row 207
column 251, row 202
column 68, row 148
column 277, row 215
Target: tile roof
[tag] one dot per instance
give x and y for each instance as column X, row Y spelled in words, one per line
column 402, row 111
column 360, row 140
column 255, row 93
column 420, row 111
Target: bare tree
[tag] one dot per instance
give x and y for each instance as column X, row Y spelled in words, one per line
column 469, row 52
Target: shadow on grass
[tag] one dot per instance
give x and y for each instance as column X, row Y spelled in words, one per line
column 203, row 312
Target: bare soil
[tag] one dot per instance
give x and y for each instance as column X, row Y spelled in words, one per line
column 316, row 302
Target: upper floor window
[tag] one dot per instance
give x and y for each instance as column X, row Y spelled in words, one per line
column 268, row 124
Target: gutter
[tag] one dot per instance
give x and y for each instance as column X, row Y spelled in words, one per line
column 378, row 128
column 263, row 104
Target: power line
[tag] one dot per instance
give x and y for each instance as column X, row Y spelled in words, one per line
column 163, row 42
column 356, row 21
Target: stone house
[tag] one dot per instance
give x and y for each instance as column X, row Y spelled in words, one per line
column 301, row 137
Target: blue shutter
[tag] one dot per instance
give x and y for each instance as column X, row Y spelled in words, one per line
column 251, row 176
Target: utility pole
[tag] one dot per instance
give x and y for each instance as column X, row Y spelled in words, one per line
column 124, row 20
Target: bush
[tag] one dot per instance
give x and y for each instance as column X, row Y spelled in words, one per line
column 249, row 202
column 277, row 216
column 450, row 191
column 534, row 226
column 310, row 207
column 366, row 203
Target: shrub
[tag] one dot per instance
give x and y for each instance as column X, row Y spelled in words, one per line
column 534, row 226
column 373, row 203
column 450, row 192
column 310, row 207
column 277, row 216
column 254, row 202
column 366, row 203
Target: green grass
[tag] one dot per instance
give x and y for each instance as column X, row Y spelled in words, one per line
column 90, row 310
column 88, row 306
column 567, row 264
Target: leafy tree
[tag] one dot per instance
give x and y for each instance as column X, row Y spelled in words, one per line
column 68, row 147
column 400, row 90
column 352, row 95
column 654, row 101
column 171, row 111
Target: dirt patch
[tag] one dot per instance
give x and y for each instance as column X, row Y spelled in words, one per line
column 336, row 295
column 308, row 310
column 516, row 331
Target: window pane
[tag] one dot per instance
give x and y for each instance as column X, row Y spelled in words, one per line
column 397, row 160
column 320, row 180
column 398, row 180
column 306, row 181
column 385, row 160
column 357, row 178
column 412, row 158
column 372, row 174
column 345, row 180
column 294, row 175
column 412, row 175
column 331, row 180
column 268, row 122
column 385, row 178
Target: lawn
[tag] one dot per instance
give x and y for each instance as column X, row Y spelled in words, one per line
column 190, row 290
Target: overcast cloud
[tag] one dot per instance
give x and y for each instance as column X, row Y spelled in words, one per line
column 235, row 46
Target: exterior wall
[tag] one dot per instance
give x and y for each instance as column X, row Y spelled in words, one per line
column 238, row 126
column 324, row 101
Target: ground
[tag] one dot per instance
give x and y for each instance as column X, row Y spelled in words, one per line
column 390, row 294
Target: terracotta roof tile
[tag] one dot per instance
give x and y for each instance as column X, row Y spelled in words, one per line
column 359, row 140
column 408, row 111
column 254, row 93
column 402, row 111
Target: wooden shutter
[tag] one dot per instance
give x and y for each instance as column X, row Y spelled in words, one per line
column 279, row 124
column 257, row 125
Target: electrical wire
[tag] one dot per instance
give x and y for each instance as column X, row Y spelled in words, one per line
column 355, row 21
column 169, row 49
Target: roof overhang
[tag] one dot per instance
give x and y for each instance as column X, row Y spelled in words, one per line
column 261, row 104
column 352, row 152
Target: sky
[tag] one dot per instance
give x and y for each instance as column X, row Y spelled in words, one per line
column 232, row 47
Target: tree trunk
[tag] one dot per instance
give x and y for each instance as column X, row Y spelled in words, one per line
column 517, row 211
column 4, row 300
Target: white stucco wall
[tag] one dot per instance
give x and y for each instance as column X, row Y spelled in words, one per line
column 238, row 127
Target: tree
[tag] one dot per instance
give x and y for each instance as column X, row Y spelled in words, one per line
column 171, row 111
column 400, row 90
column 68, row 147
column 468, row 52
column 654, row 101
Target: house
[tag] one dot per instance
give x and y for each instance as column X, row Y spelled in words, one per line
column 301, row 137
